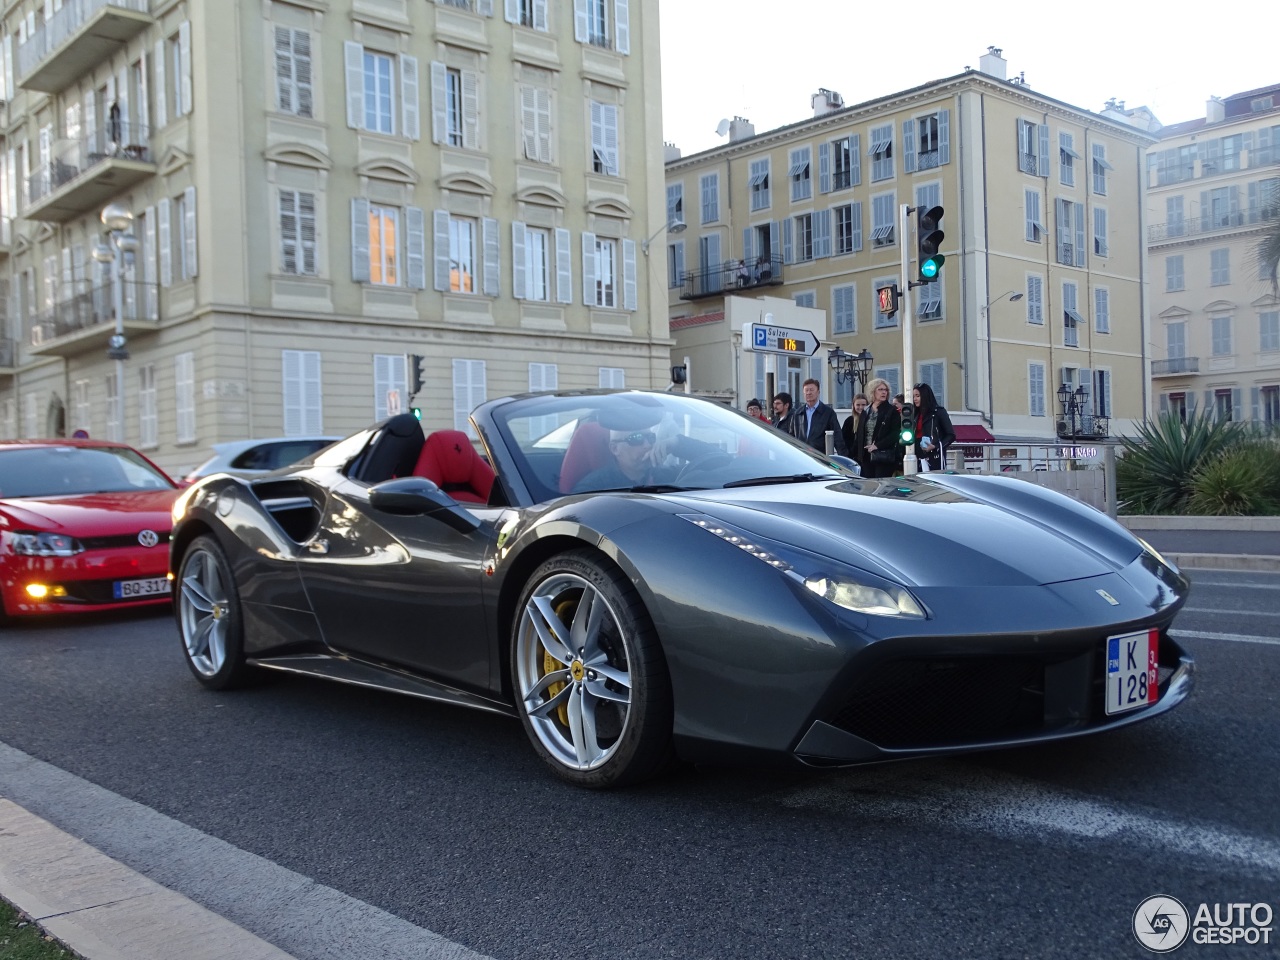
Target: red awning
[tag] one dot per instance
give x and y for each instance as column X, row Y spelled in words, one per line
column 972, row 433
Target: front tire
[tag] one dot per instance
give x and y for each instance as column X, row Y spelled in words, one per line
column 591, row 683
column 209, row 616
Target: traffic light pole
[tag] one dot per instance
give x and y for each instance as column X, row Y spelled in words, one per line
column 909, row 466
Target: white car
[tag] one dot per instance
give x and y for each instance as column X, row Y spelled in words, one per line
column 252, row 457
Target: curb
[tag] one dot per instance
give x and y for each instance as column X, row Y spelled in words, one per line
column 1224, row 561
column 1221, row 524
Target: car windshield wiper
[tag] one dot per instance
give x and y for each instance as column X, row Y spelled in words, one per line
column 789, row 478
column 645, row 488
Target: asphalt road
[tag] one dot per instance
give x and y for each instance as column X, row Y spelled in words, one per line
column 445, row 818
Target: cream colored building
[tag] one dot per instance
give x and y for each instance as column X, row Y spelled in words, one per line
column 1042, row 200
column 1213, row 184
column 320, row 188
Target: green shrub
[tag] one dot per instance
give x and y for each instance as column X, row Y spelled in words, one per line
column 1244, row 481
column 1157, row 470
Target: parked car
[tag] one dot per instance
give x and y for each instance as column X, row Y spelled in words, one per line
column 84, row 525
column 249, row 458
column 746, row 598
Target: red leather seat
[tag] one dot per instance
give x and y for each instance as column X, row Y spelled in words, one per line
column 450, row 461
column 588, row 451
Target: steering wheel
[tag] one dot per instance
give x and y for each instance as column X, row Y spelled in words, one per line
column 714, row 457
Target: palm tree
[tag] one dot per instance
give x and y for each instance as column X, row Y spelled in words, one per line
column 1268, row 252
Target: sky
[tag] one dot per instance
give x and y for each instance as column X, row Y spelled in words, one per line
column 763, row 61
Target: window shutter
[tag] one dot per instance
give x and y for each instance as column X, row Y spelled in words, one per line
column 149, row 261
column 1233, row 204
column 580, row 23
column 529, row 120
column 191, row 249
column 313, row 419
column 588, row 268
column 291, row 362
column 597, row 133
column 288, row 209
column 1164, row 404
column 409, row 96
column 353, row 57
column 518, row 255
column 540, row 15
column 440, row 229
column 1255, row 403
column 542, row 115
column 787, row 245
column 1204, row 210
column 775, row 239
column 855, row 159
column 855, row 214
column 416, row 247
column 630, row 287
column 622, row 27
column 824, row 167
column 1042, row 130
column 360, row 240
column 307, row 232
column 439, row 102
column 944, row 136
column 677, row 266
column 383, row 383
column 468, row 392
column 492, row 256
column 470, row 110
column 909, row 146
column 285, row 99
column 747, row 236
column 511, row 11
column 484, row 8
column 822, row 233
column 1237, row 412
column 165, row 243
column 564, row 266
column 302, row 72
column 184, row 54
column 711, row 250
column 1079, row 219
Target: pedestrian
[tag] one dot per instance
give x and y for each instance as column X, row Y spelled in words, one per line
column 934, row 432
column 782, row 411
column 883, row 431
column 855, row 432
column 756, row 409
column 744, row 275
column 812, row 421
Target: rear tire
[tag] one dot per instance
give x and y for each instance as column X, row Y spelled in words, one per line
column 591, row 683
column 209, row 617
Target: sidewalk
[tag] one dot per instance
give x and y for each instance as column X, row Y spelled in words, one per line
column 1213, row 543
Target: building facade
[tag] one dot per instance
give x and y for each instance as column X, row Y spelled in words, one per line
column 1043, row 280
column 1213, row 192
column 319, row 188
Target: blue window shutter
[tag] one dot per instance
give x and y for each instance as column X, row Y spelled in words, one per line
column 944, row 136
column 1164, row 404
column 775, row 240
column 440, row 235
column 822, row 233
column 359, row 240
column 1043, row 130
column 786, row 241
column 824, row 168
column 519, row 232
column 855, row 214
column 855, row 159
column 1204, row 209
column 588, row 269
column 1255, row 403
column 1079, row 218
column 492, row 257
column 713, row 253
column 564, row 266
column 909, row 146
column 353, row 57
column 416, row 249
column 1233, row 204
column 629, row 283
column 580, row 23
column 746, row 245
column 622, row 27
column 1237, row 411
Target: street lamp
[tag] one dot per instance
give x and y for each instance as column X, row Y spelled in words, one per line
column 118, row 220
column 1013, row 296
column 1073, row 406
column 850, row 366
column 674, row 225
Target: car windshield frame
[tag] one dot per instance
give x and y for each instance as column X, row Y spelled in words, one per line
column 38, row 472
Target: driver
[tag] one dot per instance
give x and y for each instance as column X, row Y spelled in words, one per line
column 639, row 458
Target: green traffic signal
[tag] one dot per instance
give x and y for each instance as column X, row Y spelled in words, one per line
column 908, row 434
column 930, row 268
column 929, row 237
column 417, row 412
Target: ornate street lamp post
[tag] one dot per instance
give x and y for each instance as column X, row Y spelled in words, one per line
column 850, row 366
column 118, row 220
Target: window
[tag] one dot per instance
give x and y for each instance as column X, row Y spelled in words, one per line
column 846, row 162
column 184, row 378
column 929, row 148
column 1102, row 310
column 372, row 81
column 1033, row 147
column 849, row 227
column 462, row 255
column 1269, row 330
column 461, row 94
column 1035, row 226
column 376, row 255
column 389, row 373
column 1070, row 233
column 147, row 421
column 535, row 123
column 1222, row 208
column 379, row 99
column 1067, row 158
column 880, row 321
column 1175, row 217
column 1221, row 336
column 806, row 298
column 1174, row 279
column 881, row 152
column 1264, row 199
column 293, row 71
column 1232, row 147
column 301, row 390
column 527, row 13
column 1071, row 319
column 1219, row 267
column 1100, row 231
column 1223, row 401
column 1101, row 393
column 804, row 237
column 758, row 184
column 1175, row 403
column 883, row 215
column 600, row 270
column 929, row 300
column 80, row 407
column 469, row 391
column 172, row 75
column 675, row 202
column 710, row 188
column 384, row 229
column 613, row 378
column 801, row 182
column 1035, row 389
column 934, row 373
column 844, row 308
column 1100, row 168
column 1175, row 340
column 603, row 23
column 1035, row 299
column 297, row 232
column 1269, row 404
column 543, row 376
column 604, row 138
column 184, row 228
column 675, row 264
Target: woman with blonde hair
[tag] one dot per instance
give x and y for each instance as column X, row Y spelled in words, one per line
column 882, row 431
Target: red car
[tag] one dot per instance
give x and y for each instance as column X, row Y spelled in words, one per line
column 84, row 525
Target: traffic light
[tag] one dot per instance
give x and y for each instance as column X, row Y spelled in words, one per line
column 908, row 435
column 887, row 299
column 416, row 363
column 928, row 239
column 417, row 412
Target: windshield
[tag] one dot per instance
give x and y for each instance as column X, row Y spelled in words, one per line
column 647, row 441
column 69, row 471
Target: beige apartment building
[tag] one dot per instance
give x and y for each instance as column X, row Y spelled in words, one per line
column 1043, row 283
column 1213, row 190
column 319, row 188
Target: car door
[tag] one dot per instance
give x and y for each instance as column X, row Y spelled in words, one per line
column 402, row 590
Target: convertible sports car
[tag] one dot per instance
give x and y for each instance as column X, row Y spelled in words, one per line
column 640, row 576
column 84, row 526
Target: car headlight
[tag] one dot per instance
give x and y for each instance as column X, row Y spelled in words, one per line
column 854, row 590
column 46, row 545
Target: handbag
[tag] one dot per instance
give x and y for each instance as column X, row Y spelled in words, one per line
column 883, row 456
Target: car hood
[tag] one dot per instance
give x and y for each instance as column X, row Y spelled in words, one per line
column 98, row 514
column 926, row 534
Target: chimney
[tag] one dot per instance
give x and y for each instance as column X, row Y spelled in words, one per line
column 825, row 101
column 741, row 129
column 1215, row 111
column 993, row 64
column 670, row 152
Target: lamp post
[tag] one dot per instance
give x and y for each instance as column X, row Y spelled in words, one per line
column 120, row 249
column 850, row 366
column 674, row 225
column 1073, row 404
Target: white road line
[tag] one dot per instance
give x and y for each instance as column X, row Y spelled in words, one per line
column 1232, row 613
column 1197, row 582
column 950, row 795
column 1233, row 637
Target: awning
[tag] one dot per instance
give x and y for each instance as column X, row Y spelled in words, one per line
column 972, row 433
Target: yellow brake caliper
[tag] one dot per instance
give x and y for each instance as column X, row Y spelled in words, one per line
column 550, row 664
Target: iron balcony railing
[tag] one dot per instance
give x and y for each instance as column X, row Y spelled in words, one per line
column 730, row 277
column 1175, row 365
column 116, row 141
column 94, row 307
column 1191, row 226
column 60, row 27
column 1088, row 427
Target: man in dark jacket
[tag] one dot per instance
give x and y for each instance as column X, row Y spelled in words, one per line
column 782, row 411
column 812, row 421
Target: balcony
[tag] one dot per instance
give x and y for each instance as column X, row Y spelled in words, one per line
column 89, row 172
column 1175, row 366
column 77, row 38
column 84, row 322
column 1214, row 223
column 1088, row 427
column 729, row 278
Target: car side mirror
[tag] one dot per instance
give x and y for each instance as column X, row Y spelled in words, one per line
column 420, row 497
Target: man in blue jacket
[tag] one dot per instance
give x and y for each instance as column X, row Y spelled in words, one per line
column 812, row 421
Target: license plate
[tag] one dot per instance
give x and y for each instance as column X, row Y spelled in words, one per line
column 127, row 589
column 1132, row 671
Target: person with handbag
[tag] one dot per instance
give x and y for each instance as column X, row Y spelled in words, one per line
column 934, row 432
column 882, row 432
column 854, row 430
